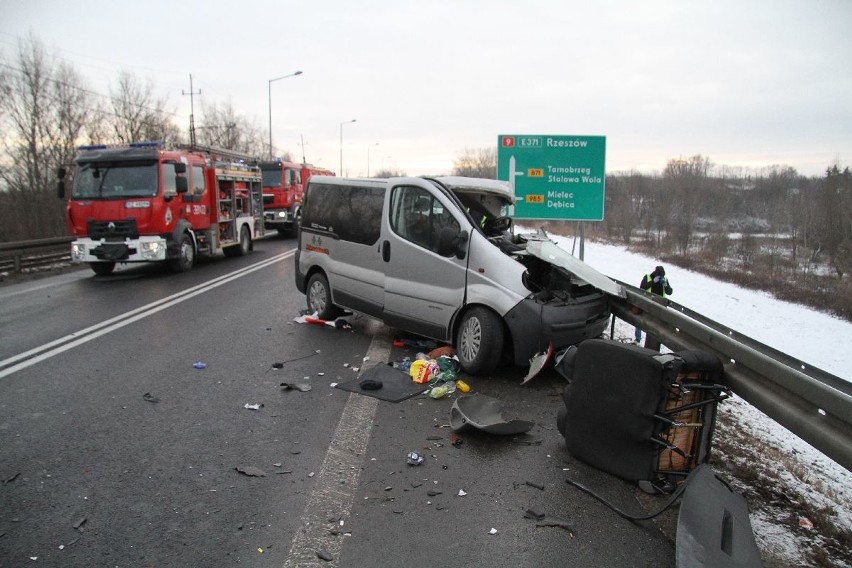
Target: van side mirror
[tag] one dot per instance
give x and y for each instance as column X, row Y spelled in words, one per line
column 181, row 184
column 452, row 243
column 180, row 168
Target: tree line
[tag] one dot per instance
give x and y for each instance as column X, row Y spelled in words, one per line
column 773, row 219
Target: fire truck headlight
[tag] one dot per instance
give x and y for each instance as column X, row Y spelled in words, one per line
column 153, row 250
column 78, row 251
column 282, row 214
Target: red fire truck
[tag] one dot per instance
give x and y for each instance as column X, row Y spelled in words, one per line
column 283, row 187
column 143, row 203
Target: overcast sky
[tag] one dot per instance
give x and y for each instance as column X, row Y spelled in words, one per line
column 745, row 83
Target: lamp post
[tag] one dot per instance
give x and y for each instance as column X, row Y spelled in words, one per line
column 368, row 158
column 341, row 143
column 270, row 104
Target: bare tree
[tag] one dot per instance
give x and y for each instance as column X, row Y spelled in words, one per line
column 138, row 115
column 222, row 127
column 44, row 110
column 481, row 163
column 389, row 173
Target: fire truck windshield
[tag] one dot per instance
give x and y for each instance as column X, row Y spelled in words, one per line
column 115, row 180
column 272, row 178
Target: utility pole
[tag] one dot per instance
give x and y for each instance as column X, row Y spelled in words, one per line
column 191, row 94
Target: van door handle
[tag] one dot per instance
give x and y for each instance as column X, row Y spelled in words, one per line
column 386, row 251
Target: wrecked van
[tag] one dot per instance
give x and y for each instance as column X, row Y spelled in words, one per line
column 437, row 257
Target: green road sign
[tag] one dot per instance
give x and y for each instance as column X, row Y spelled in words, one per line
column 554, row 177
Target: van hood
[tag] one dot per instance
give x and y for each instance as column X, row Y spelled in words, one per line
column 490, row 187
column 547, row 251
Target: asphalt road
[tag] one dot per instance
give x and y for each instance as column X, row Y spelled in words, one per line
column 117, row 451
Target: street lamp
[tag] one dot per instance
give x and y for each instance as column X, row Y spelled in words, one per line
column 368, row 158
column 270, row 105
column 341, row 143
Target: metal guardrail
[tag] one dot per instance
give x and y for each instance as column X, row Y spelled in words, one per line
column 15, row 256
column 813, row 404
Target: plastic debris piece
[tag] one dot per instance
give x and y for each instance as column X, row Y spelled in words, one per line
column 150, row 398
column 536, row 485
column 806, row 523
column 492, row 531
column 462, row 492
column 537, row 363
column 413, row 458
column 278, row 365
column 438, row 392
column 251, row 471
column 199, row 365
column 11, row 478
column 299, row 385
column 485, row 413
column 462, row 386
column 252, row 406
column 443, row 351
column 80, row 522
column 549, row 521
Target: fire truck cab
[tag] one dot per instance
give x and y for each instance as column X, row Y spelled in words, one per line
column 143, row 203
column 283, row 189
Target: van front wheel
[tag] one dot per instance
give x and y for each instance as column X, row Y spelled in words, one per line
column 319, row 297
column 479, row 341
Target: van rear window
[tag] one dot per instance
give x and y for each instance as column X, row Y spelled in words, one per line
column 348, row 212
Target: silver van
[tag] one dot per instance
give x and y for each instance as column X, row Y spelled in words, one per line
column 436, row 257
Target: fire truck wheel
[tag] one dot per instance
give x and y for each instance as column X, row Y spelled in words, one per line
column 319, row 297
column 102, row 268
column 186, row 255
column 245, row 242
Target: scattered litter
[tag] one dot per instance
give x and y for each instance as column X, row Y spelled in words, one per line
column 260, row 550
column 80, row 522
column 413, row 458
column 11, row 478
column 339, row 323
column 445, row 351
column 806, row 523
column 311, row 474
column 299, row 385
column 536, row 485
column 253, row 406
column 455, row 440
column 415, row 342
column 278, row 365
column 433, row 493
column 549, row 521
column 251, row 471
column 462, row 386
column 323, row 554
column 492, row 531
column 199, row 365
column 438, row 392
column 279, row 464
column 462, row 492
column 150, row 397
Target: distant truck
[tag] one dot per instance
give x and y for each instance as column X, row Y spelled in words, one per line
column 143, row 203
column 283, row 189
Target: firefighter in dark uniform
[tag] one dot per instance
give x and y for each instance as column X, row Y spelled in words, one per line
column 656, row 283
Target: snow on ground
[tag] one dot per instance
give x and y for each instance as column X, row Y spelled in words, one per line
column 818, row 339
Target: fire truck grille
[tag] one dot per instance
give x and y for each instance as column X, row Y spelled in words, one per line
column 113, row 230
column 268, row 199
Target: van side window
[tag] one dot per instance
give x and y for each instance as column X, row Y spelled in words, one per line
column 351, row 213
column 169, row 184
column 417, row 216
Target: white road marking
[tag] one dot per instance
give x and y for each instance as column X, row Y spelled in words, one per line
column 338, row 478
column 36, row 355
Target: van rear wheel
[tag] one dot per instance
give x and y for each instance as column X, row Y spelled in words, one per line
column 479, row 341
column 319, row 297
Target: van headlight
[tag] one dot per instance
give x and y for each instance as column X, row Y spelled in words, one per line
column 153, row 250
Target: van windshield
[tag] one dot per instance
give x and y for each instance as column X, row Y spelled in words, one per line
column 271, row 178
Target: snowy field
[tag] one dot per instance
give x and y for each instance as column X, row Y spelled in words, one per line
column 818, row 339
